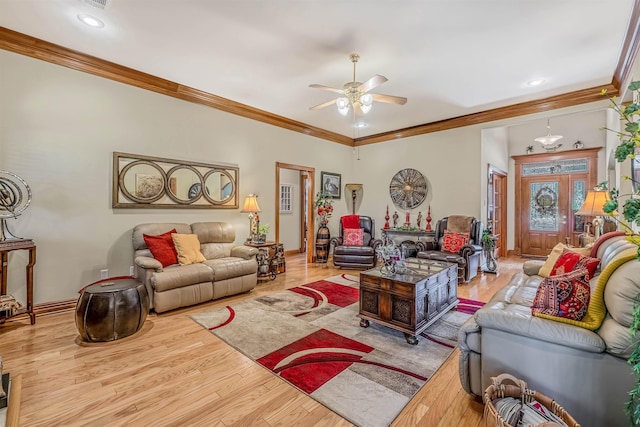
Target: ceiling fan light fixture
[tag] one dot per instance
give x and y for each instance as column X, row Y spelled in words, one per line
column 343, row 105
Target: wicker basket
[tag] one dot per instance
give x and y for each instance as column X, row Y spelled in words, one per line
column 498, row 390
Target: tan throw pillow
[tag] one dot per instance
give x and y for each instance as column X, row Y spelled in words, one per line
column 188, row 248
column 545, row 270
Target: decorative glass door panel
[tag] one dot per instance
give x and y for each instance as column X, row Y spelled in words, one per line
column 543, row 206
column 579, row 193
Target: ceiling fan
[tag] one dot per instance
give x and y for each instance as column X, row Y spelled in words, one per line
column 356, row 94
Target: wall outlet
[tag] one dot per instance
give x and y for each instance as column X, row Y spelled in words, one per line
column 104, row 274
column 131, row 271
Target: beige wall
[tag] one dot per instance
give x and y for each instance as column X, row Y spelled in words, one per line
column 59, row 128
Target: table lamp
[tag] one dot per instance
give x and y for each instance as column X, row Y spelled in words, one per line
column 592, row 206
column 251, row 207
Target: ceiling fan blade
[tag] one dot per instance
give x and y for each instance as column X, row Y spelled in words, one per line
column 330, row 89
column 323, row 105
column 389, row 99
column 374, row 81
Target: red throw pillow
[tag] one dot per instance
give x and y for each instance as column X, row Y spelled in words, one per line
column 353, row 237
column 565, row 295
column 162, row 247
column 453, row 242
column 570, row 261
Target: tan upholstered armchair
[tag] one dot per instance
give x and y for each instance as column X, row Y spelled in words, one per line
column 449, row 246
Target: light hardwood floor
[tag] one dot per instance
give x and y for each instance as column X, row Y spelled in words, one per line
column 175, row 373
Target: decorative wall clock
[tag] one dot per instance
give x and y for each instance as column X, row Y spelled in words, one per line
column 408, row 189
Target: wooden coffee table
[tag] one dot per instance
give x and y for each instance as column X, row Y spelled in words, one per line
column 411, row 301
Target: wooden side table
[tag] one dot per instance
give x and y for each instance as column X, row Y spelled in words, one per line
column 270, row 259
column 13, row 245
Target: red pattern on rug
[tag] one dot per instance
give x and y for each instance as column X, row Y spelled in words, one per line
column 335, row 293
column 321, row 365
column 468, row 306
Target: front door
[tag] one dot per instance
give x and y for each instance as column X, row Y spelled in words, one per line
column 549, row 189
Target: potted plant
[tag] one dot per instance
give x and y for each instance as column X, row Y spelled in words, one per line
column 263, row 230
column 324, row 207
column 488, row 243
column 630, row 211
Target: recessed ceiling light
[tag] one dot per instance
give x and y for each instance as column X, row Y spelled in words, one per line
column 535, row 82
column 360, row 125
column 91, row 21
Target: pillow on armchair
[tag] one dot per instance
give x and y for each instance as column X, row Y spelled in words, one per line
column 453, row 242
column 353, row 237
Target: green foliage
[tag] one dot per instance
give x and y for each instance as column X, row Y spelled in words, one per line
column 629, row 142
column 487, row 240
column 263, row 229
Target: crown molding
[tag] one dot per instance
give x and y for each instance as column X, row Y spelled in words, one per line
column 23, row 44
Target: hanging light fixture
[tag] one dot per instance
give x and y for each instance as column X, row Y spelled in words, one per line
column 354, row 94
column 549, row 141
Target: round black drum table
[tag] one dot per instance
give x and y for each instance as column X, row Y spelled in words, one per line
column 111, row 309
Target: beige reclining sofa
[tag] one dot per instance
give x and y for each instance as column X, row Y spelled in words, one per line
column 227, row 270
column 585, row 371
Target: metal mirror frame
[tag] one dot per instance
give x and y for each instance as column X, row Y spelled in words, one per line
column 123, row 198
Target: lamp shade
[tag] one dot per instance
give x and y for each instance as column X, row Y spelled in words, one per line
column 354, row 187
column 593, row 203
column 251, row 204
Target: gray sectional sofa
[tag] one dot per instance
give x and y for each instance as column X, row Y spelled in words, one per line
column 228, row 269
column 585, row 371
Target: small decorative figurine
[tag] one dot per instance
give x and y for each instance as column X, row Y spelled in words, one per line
column 395, row 219
column 428, row 228
column 419, row 219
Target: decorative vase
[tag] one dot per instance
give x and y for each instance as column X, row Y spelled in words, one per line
column 388, row 267
column 322, row 243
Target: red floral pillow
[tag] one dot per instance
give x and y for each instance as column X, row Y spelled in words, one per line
column 565, row 295
column 353, row 236
column 570, row 261
column 162, row 247
column 453, row 242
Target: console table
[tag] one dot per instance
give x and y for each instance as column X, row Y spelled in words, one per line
column 14, row 245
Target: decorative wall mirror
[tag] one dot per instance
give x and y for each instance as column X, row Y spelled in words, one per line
column 154, row 182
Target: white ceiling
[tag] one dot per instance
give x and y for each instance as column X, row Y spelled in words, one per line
column 449, row 58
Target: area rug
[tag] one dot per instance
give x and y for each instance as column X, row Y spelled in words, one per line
column 311, row 337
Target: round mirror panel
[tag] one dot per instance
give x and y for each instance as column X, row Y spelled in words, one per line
column 408, row 189
column 15, row 195
column 219, row 186
column 181, row 181
column 142, row 181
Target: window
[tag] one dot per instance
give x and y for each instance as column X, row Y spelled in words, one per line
column 286, row 198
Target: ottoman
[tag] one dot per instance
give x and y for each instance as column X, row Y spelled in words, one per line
column 111, row 309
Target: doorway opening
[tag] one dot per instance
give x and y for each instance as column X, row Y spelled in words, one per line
column 295, row 221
